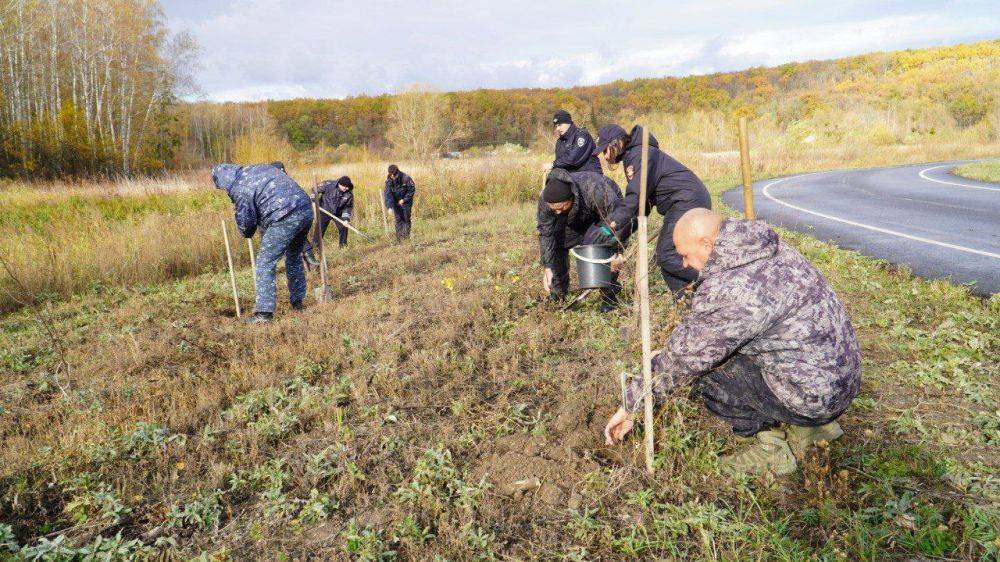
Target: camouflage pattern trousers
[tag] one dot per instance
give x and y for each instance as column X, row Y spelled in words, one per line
column 737, row 393
column 286, row 237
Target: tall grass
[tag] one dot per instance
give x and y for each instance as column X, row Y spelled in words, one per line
column 60, row 240
column 57, row 242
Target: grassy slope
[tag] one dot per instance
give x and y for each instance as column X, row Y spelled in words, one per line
column 436, row 380
column 983, row 171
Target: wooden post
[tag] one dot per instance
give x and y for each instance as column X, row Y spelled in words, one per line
column 748, row 210
column 319, row 242
column 253, row 260
column 232, row 272
column 642, row 281
column 385, row 218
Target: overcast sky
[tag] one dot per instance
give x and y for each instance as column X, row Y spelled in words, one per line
column 260, row 49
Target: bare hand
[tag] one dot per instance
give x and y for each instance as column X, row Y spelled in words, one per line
column 618, row 426
column 401, row 203
column 547, row 280
column 617, row 263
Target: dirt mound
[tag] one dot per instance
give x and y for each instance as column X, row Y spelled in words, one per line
column 547, row 469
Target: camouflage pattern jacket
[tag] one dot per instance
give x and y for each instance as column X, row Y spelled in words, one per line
column 262, row 194
column 759, row 297
column 595, row 197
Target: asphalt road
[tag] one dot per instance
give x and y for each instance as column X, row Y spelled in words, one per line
column 922, row 216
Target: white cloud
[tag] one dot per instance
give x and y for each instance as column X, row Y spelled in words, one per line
column 256, row 49
column 826, row 41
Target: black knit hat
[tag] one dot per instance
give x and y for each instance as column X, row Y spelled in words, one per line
column 346, row 182
column 393, row 169
column 561, row 117
column 557, row 190
column 279, row 165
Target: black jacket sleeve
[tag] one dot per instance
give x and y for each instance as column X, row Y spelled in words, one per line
column 550, row 235
column 628, row 209
column 347, row 206
column 578, row 150
column 409, row 190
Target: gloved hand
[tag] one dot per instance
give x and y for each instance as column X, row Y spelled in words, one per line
column 605, row 237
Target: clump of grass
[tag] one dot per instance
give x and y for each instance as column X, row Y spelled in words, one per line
column 988, row 170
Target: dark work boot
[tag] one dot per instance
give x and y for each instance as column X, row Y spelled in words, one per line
column 609, row 303
column 298, row 306
column 260, row 318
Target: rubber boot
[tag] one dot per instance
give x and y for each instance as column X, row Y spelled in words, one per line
column 801, row 438
column 260, row 318
column 770, row 452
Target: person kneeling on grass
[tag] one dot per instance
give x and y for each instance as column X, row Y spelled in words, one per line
column 572, row 210
column 268, row 198
column 336, row 198
column 766, row 342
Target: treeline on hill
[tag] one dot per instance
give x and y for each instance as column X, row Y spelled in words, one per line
column 926, row 95
column 89, row 87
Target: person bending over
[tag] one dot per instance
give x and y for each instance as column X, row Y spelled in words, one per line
column 572, row 209
column 672, row 188
column 336, row 198
column 267, row 198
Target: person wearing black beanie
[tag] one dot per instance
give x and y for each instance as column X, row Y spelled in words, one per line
column 557, row 190
column 572, row 210
column 574, row 146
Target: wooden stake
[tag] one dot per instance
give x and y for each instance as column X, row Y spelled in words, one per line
column 253, row 260
column 385, row 216
column 642, row 280
column 232, row 272
column 748, row 210
column 319, row 238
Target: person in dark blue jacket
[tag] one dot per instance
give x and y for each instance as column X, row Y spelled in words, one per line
column 575, row 147
column 337, row 198
column 399, row 192
column 267, row 198
column 672, row 188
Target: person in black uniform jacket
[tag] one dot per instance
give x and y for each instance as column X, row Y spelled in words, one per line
column 672, row 188
column 572, row 209
column 337, row 198
column 399, row 192
column 575, row 149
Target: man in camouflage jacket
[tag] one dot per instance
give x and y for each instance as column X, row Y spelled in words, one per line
column 765, row 342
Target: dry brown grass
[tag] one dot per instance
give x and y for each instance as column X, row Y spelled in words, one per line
column 446, row 344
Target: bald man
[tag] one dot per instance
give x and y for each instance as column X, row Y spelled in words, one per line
column 766, row 344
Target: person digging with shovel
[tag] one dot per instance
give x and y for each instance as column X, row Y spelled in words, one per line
column 267, row 198
column 337, row 198
column 572, row 210
column 767, row 345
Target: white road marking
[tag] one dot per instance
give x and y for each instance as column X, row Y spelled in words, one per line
column 767, row 194
column 968, row 186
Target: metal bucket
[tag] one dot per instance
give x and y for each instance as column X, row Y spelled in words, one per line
column 592, row 266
